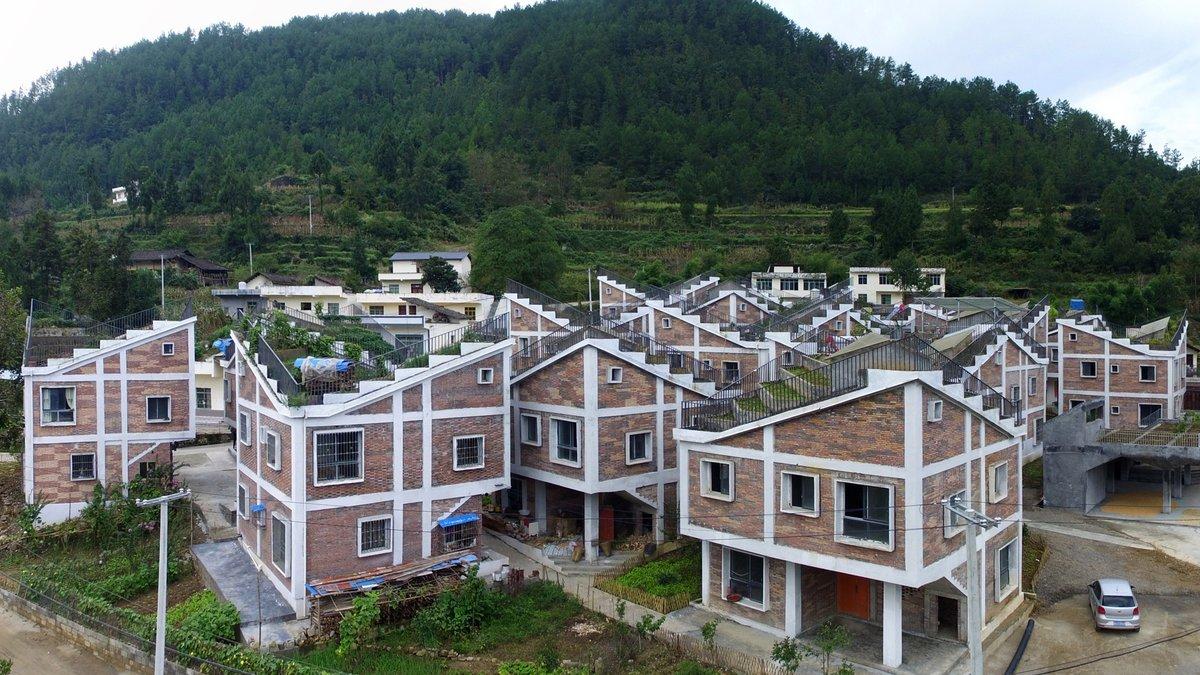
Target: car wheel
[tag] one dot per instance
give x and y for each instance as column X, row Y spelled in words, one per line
column 1098, row 628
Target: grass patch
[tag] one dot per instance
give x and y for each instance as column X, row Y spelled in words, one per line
column 779, row 389
column 751, row 404
column 540, row 608
column 373, row 661
column 1033, row 550
column 1031, row 474
column 669, row 575
column 810, row 376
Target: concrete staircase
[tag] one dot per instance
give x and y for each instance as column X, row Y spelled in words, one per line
column 87, row 352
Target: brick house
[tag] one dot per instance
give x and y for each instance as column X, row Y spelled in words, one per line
column 104, row 411
column 377, row 466
column 829, row 504
column 1140, row 378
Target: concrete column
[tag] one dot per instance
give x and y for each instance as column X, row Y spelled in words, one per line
column 1177, row 483
column 660, row 519
column 591, row 524
column 539, row 505
column 704, row 570
column 791, row 610
column 1166, row 491
column 892, row 640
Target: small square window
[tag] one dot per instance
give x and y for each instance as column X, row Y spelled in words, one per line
column 837, row 325
column 1114, row 368
column 741, row 306
column 374, row 535
column 999, row 486
column 158, row 409
column 707, row 363
column 518, row 312
column 523, row 344
column 1072, row 337
column 1148, row 373
column 485, row 376
column 306, row 306
column 83, row 467
column 934, row 413
column 1087, row 368
column 531, row 429
column 468, row 453
column 168, row 349
column 637, row 447
column 716, row 479
column 666, row 322
column 146, row 469
column 615, row 374
column 799, row 493
column 1114, row 410
column 607, row 290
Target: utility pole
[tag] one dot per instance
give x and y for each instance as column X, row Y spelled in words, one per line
column 162, row 282
column 590, row 307
column 160, row 630
column 251, row 258
column 975, row 521
column 310, row 215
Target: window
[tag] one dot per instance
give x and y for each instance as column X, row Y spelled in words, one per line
column 531, row 429
column 999, row 487
column 1054, row 355
column 523, row 344
column 566, row 441
column 607, row 290
column 333, row 308
column 168, row 349
column 732, row 370
column 485, row 376
column 518, row 312
column 468, row 452
column 278, row 305
column 762, row 284
column 1074, row 403
column 666, row 322
column 228, row 391
column 306, row 306
column 862, row 280
column 1087, row 368
column 146, row 469
column 1032, row 386
column 935, row 280
column 934, row 413
column 460, row 536
column 1037, row 430
column 799, row 493
column 787, row 358
column 58, row 405
column 270, row 443
column 707, row 363
column 741, row 307
column 243, row 505
column 375, row 310
column 279, row 543
column 866, row 515
column 837, row 325
column 1016, row 392
column 416, row 288
column 158, row 408
column 1072, row 337
column 813, row 284
column 1148, row 373
column 885, row 298
column 1006, row 557
column 469, row 312
column 339, row 456
column 1114, row 368
column 862, row 298
column 885, row 280
column 83, row 467
column 1114, row 410
column 615, row 374
column 952, row 523
column 637, row 447
column 393, row 288
column 374, row 535
column 203, row 397
column 744, row 575
column 789, row 284
column 243, row 428
column 716, row 479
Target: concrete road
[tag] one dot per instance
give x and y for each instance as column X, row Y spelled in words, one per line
column 33, row 649
column 209, row 471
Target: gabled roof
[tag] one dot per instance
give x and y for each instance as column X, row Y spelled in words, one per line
column 434, row 307
column 277, row 279
column 426, row 255
column 155, row 255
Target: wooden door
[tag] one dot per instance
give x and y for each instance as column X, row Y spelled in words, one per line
column 608, row 530
column 854, row 596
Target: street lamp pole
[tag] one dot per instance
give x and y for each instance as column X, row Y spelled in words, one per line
column 975, row 522
column 160, row 629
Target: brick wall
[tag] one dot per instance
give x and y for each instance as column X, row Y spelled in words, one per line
column 741, row 517
column 284, row 512
column 612, row 445
column 538, row 457
column 868, row 429
column 137, row 391
column 934, row 489
column 637, row 387
column 414, row 457
column 85, row 410
column 491, row 427
column 148, row 358
column 944, row 439
column 460, row 387
column 993, row 607
column 775, row 585
column 112, row 407
column 332, row 540
column 52, row 472
column 377, row 464
column 559, row 384
column 281, row 477
column 1007, row 507
column 818, row 596
column 413, row 530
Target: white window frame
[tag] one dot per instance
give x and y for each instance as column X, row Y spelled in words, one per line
column 1114, row 368
column 707, row 363
column 485, row 376
column 863, row 280
column 839, row 502
column 554, row 442
column 1016, row 392
column 785, row 494
column 608, row 290
column 522, row 343
column 741, row 307
column 362, row 456
column 1002, row 591
column 158, row 421
column 1054, row 355
column 705, row 480
column 649, row 447
column 389, row 534
column 934, row 410
column 1153, row 373
column 168, row 349
column 537, row 440
column 952, row 523
column 74, row 410
column 454, row 449
column 517, row 313
column 766, row 576
column 1072, row 337
column 243, row 505
column 287, row 541
column 71, row 466
column 616, row 375
column 994, row 486
column 1114, row 410
column 243, row 433
column 787, row 358
column 264, row 436
column 666, row 322
column 1032, row 386
column 1095, row 370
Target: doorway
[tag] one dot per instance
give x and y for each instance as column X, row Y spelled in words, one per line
column 947, row 617
column 854, row 596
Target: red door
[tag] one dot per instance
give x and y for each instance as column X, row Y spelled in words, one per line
column 854, row 596
column 608, row 530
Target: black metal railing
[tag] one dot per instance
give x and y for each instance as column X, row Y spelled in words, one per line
column 796, row 387
column 277, row 370
column 56, row 332
column 561, row 309
column 796, row 317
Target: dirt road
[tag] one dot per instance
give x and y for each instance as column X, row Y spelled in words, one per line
column 33, row 649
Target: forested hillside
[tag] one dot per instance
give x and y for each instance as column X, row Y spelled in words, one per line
column 758, row 108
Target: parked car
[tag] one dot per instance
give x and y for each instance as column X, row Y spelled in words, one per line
column 1113, row 605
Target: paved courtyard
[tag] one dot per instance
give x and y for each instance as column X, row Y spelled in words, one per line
column 209, row 471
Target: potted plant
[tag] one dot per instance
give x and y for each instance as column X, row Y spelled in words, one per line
column 734, row 597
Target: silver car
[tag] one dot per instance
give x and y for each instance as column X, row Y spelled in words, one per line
column 1113, row 605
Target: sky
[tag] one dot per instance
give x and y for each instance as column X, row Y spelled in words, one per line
column 1134, row 62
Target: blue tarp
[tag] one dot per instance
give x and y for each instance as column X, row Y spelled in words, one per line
column 459, row 519
column 225, row 345
column 342, row 365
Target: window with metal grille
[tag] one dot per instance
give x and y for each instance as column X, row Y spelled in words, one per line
column 468, row 452
column 83, row 467
column 58, row 405
column 158, row 408
column 375, row 535
column 469, row 312
column 458, row 537
column 339, row 455
column 279, row 543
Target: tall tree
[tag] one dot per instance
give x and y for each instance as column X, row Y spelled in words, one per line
column 439, row 275
column 519, row 243
column 319, row 166
column 686, row 191
column 954, row 237
column 907, row 274
column 896, row 219
column 838, row 225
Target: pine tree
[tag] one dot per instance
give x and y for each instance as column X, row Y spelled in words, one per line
column 838, row 225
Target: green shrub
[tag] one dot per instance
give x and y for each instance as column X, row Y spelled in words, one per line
column 667, row 576
column 459, row 611
column 203, row 613
column 358, row 625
